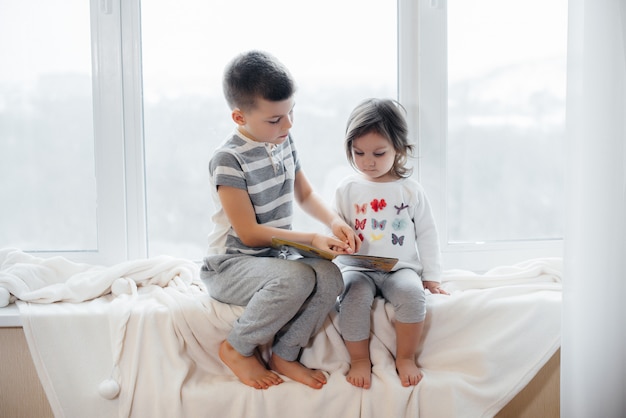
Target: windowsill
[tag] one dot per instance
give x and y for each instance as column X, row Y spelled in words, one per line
column 10, row 316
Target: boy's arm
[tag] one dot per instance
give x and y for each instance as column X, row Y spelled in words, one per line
column 314, row 205
column 240, row 212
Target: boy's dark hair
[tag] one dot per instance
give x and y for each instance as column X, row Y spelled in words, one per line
column 385, row 117
column 253, row 75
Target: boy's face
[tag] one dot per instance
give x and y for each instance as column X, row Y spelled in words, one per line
column 267, row 122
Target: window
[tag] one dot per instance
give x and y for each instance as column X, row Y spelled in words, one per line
column 492, row 127
column 70, row 161
column 47, row 165
column 106, row 140
column 337, row 59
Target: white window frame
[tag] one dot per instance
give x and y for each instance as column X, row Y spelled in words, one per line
column 424, row 29
column 118, row 134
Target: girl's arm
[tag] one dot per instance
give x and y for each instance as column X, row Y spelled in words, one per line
column 435, row 288
column 427, row 239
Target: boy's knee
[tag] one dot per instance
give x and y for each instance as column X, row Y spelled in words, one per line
column 303, row 284
column 327, row 276
column 331, row 281
column 295, row 283
column 337, row 287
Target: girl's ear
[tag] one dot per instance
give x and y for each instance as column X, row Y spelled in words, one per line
column 238, row 116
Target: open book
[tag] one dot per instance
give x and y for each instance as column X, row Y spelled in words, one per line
column 369, row 262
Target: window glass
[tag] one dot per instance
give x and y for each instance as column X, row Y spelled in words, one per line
column 506, row 120
column 337, row 59
column 47, row 180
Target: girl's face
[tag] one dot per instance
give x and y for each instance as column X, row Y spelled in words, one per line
column 268, row 122
column 374, row 157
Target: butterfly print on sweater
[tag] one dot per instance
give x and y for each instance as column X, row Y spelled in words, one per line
column 360, row 208
column 401, row 208
column 378, row 204
column 398, row 224
column 395, row 240
column 379, row 224
column 376, row 237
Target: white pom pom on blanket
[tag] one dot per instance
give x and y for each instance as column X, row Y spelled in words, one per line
column 109, row 389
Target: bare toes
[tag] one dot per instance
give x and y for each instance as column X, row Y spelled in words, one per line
column 298, row 372
column 249, row 370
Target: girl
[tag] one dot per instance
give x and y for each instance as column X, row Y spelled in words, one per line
column 391, row 215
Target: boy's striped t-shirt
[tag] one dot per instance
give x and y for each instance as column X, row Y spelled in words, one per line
column 267, row 173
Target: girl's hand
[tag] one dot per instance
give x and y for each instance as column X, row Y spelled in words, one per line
column 435, row 288
column 344, row 232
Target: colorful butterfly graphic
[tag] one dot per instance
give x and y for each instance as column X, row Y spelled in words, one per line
column 397, row 241
column 359, row 224
column 378, row 204
column 360, row 208
column 399, row 209
column 380, row 225
column 361, row 237
column 398, row 224
column 376, row 237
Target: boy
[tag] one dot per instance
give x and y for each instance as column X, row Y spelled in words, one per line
column 255, row 176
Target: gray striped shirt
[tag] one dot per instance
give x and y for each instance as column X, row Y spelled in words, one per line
column 267, row 173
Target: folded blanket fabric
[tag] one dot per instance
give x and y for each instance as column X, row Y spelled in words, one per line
column 151, row 327
column 47, row 280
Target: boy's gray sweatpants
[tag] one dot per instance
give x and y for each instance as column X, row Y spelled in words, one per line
column 286, row 301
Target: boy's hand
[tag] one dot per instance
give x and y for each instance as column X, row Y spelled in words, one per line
column 333, row 244
column 345, row 233
column 435, row 288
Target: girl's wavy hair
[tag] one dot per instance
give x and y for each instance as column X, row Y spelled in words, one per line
column 385, row 117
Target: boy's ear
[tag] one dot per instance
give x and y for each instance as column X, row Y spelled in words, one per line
column 238, row 116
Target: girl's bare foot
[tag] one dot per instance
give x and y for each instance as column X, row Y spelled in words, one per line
column 249, row 370
column 360, row 374
column 410, row 374
column 296, row 371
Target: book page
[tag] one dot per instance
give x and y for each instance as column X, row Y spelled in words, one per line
column 368, row 262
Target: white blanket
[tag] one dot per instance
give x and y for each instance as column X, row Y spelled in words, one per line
column 150, row 326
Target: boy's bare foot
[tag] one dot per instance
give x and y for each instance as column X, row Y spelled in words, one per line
column 360, row 374
column 410, row 374
column 296, row 371
column 249, row 370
